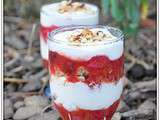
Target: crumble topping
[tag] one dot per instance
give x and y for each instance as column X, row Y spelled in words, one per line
column 69, row 6
column 88, row 35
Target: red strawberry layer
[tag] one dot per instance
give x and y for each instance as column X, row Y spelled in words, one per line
column 100, row 69
column 81, row 114
column 45, row 30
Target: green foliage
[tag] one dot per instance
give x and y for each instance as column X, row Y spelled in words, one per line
column 144, row 8
column 105, row 6
column 117, row 11
column 126, row 13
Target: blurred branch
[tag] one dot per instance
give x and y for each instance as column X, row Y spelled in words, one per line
column 31, row 39
column 136, row 60
column 13, row 19
column 15, row 80
column 21, row 94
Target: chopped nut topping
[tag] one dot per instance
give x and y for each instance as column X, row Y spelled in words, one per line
column 100, row 33
column 68, row 6
column 86, row 35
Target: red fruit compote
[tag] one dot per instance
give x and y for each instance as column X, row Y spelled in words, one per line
column 62, row 14
column 86, row 68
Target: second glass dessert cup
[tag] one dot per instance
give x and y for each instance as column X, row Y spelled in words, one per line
column 51, row 18
column 86, row 78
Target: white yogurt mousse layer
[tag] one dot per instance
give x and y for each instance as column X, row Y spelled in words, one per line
column 43, row 48
column 110, row 46
column 79, row 95
column 50, row 16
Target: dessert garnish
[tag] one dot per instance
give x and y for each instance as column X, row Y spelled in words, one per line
column 69, row 6
column 87, row 35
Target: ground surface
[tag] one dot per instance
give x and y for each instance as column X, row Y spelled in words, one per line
column 25, row 79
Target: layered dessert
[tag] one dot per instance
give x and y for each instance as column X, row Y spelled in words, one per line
column 86, row 68
column 62, row 14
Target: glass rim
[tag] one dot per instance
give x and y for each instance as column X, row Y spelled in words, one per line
column 120, row 36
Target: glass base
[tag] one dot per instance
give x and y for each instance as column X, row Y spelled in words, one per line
column 82, row 114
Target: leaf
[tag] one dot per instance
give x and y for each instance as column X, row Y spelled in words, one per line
column 138, row 2
column 132, row 11
column 117, row 11
column 144, row 8
column 105, row 6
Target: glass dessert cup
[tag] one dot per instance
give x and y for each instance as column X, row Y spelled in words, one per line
column 51, row 18
column 86, row 78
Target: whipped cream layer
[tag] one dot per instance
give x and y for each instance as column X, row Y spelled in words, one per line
column 79, row 95
column 109, row 46
column 51, row 16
